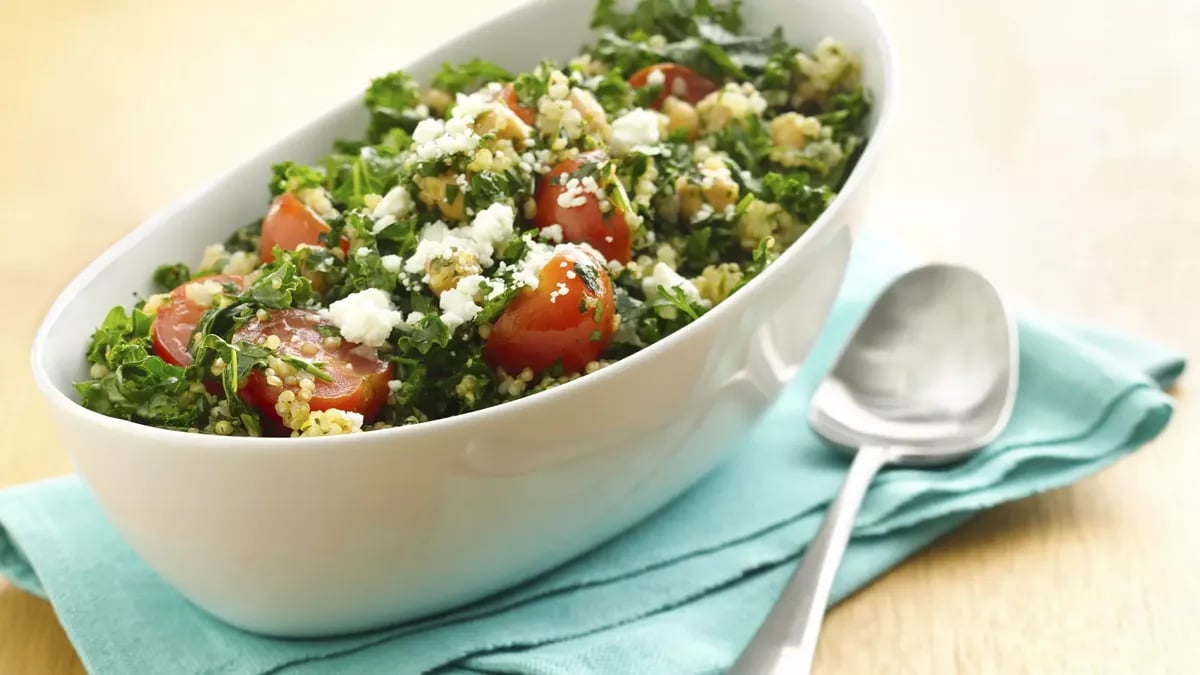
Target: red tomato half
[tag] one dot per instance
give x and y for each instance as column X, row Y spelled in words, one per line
column 679, row 81
column 176, row 320
column 509, row 95
column 359, row 377
column 568, row 318
column 609, row 233
column 289, row 223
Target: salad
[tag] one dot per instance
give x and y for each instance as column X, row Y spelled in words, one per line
column 495, row 234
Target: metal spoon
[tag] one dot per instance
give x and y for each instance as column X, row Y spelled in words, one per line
column 929, row 376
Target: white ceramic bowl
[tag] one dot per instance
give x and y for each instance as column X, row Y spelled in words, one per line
column 314, row 536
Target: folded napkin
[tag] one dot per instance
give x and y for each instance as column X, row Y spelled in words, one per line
column 680, row 593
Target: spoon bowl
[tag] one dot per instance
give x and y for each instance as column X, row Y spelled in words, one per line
column 928, row 377
column 931, row 371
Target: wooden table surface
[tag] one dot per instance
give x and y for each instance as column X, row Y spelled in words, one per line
column 1053, row 145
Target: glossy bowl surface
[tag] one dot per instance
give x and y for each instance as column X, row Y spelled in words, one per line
column 317, row 536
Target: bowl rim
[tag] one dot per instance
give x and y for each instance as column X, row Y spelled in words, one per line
column 889, row 78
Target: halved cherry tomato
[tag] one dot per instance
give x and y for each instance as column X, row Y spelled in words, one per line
column 568, row 318
column 609, row 233
column 289, row 223
column 679, row 81
column 359, row 377
column 176, row 320
column 509, row 95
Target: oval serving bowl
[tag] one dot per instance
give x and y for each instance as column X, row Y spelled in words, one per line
column 318, row 536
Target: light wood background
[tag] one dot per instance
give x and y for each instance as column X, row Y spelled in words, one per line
column 1054, row 145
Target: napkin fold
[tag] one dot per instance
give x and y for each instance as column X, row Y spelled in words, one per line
column 683, row 591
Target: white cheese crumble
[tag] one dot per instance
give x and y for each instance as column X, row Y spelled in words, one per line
column 552, row 233
column 397, row 203
column 664, row 276
column 459, row 304
column 492, row 226
column 559, row 291
column 366, row 317
column 635, row 128
column 382, row 224
column 434, row 139
column 392, row 263
column 536, row 256
column 572, row 194
column 656, row 78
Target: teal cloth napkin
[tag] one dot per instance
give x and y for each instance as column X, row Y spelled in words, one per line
column 680, row 593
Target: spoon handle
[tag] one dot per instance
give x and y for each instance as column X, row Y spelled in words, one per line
column 787, row 639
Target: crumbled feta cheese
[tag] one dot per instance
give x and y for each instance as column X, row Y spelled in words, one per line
column 397, row 203
column 459, row 303
column 434, row 139
column 394, row 385
column 635, row 128
column 382, row 224
column 492, row 226
column 559, row 291
column 552, row 233
column 664, row 276
column 536, row 257
column 366, row 317
column 362, row 252
column 657, row 79
column 392, row 263
column 572, row 195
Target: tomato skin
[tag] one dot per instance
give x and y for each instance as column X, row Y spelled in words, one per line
column 609, row 233
column 509, row 95
column 692, row 86
column 288, row 224
column 542, row 326
column 358, row 378
column 176, row 320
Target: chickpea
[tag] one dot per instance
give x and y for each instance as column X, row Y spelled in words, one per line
column 433, row 192
column 437, row 100
column 445, row 273
column 681, row 115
